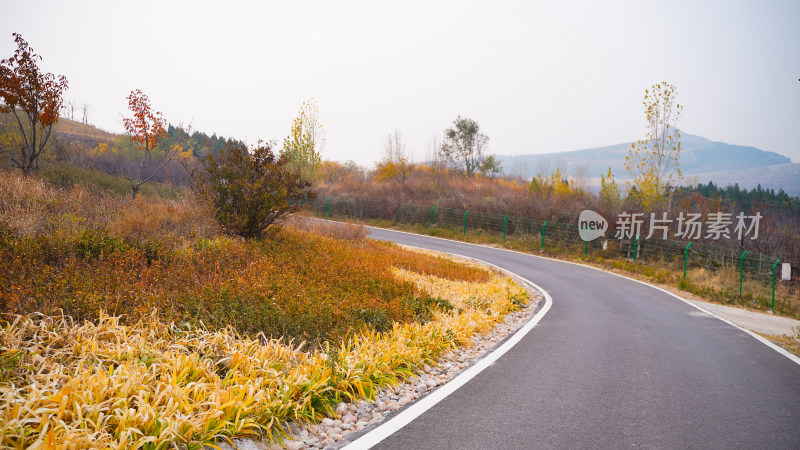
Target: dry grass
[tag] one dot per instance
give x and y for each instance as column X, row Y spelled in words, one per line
column 337, row 230
column 170, row 222
column 30, row 207
column 68, row 126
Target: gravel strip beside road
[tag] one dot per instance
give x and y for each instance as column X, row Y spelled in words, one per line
column 753, row 320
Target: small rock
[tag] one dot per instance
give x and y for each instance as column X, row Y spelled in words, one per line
column 341, row 408
column 349, row 418
column 293, row 445
column 327, row 422
column 421, row 388
column 347, row 426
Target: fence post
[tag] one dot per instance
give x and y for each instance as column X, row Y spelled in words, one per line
column 685, row 258
column 329, row 205
column 432, row 214
column 544, row 227
column 465, row 222
column 741, row 270
column 635, row 248
column 773, row 283
column 505, row 218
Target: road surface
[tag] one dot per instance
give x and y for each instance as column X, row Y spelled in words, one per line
column 613, row 364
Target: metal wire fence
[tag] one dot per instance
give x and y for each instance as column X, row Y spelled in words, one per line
column 748, row 275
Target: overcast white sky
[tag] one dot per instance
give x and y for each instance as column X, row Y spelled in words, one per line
column 537, row 76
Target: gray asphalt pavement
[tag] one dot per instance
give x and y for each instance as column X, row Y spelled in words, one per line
column 614, row 364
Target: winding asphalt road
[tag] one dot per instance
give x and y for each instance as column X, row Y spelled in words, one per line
column 614, row 364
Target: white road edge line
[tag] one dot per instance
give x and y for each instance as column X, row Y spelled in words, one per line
column 761, row 339
column 418, row 408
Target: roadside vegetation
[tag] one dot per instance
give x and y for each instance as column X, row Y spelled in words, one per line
column 151, row 326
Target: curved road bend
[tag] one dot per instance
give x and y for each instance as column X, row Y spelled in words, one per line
column 613, row 364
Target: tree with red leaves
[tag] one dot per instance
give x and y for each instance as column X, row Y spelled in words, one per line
column 146, row 128
column 33, row 99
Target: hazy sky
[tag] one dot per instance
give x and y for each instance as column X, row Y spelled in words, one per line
column 537, row 76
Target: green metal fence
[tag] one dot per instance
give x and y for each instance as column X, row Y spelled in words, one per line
column 749, row 275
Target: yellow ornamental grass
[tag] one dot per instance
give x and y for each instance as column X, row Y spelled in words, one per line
column 109, row 385
column 492, row 297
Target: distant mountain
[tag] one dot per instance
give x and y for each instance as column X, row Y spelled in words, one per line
column 707, row 160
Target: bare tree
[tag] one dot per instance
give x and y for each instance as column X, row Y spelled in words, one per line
column 433, row 154
column 71, row 106
column 581, row 177
column 85, row 112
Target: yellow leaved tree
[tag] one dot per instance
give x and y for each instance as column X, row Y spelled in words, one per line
column 654, row 162
column 396, row 163
column 609, row 190
column 556, row 183
column 305, row 141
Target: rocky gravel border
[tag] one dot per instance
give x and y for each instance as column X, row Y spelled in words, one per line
column 356, row 419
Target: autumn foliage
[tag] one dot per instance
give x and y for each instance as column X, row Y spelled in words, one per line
column 34, row 99
column 77, row 253
column 653, row 162
column 136, row 323
column 250, row 190
column 146, row 128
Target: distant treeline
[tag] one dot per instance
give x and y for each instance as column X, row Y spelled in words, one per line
column 748, row 200
column 200, row 143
